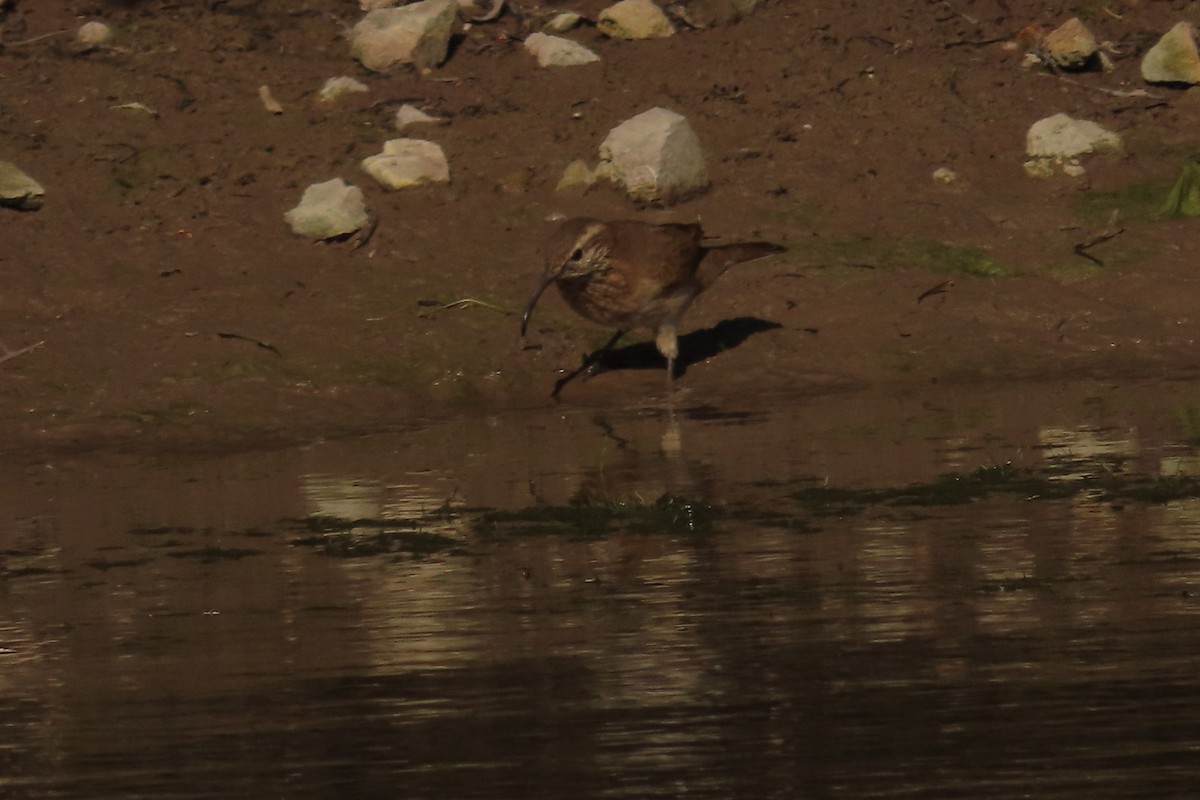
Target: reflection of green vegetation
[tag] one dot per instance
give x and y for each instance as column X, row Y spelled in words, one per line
column 1164, row 489
column 211, row 555
column 595, row 519
column 945, row 491
column 104, row 564
column 1004, row 479
column 1190, row 416
column 359, row 538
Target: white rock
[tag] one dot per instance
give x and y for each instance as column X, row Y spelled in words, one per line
column 563, row 22
column 18, row 189
column 1056, row 143
column 405, row 163
column 555, row 51
column 336, row 87
column 371, row 5
column 327, row 210
column 634, row 19
column 93, row 34
column 1175, row 58
column 411, row 115
column 655, row 156
column 1062, row 137
column 417, row 34
column 1071, row 45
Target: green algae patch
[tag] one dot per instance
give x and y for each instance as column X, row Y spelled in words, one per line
column 1183, row 200
column 907, row 254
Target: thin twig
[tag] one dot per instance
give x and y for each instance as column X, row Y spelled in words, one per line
column 941, row 288
column 34, row 39
column 470, row 301
column 8, row 355
column 1081, row 248
column 239, row 337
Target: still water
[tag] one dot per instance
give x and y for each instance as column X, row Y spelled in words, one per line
column 964, row 592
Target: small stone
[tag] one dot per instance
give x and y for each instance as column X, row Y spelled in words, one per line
column 1039, row 168
column 562, row 22
column 1175, row 58
column 577, row 175
column 328, row 210
column 18, row 190
column 409, row 114
column 945, row 175
column 1071, row 46
column 405, row 163
column 268, row 100
column 336, row 87
column 93, row 34
column 1073, row 169
column 555, row 51
column 634, row 19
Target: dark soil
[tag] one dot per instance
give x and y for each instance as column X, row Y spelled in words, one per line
column 175, row 308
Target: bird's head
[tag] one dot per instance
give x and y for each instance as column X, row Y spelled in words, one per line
column 575, row 251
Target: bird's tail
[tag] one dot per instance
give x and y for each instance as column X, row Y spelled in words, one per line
column 719, row 258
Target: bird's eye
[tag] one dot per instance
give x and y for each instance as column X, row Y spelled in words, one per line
column 577, row 254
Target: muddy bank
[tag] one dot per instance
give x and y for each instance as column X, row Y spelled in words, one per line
column 176, row 310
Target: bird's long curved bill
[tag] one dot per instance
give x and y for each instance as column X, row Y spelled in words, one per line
column 537, row 293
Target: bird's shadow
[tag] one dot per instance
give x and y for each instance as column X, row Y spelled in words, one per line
column 699, row 345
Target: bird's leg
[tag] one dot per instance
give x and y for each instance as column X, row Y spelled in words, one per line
column 589, row 362
column 668, row 344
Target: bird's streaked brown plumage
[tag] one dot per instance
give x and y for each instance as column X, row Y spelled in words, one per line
column 630, row 274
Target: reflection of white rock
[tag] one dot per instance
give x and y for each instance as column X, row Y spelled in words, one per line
column 351, row 499
column 342, row 498
column 1084, row 452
